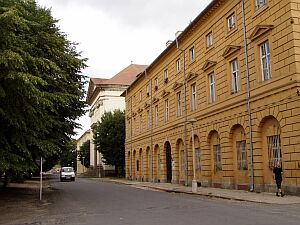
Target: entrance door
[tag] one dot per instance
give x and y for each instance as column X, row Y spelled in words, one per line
column 169, row 162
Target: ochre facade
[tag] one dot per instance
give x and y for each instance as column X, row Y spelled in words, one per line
column 199, row 84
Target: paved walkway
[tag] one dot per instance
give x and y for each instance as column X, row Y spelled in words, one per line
column 240, row 195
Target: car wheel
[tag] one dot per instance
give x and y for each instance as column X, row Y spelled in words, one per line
column 73, row 179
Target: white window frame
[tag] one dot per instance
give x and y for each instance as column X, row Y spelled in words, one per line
column 179, row 104
column 265, row 61
column 217, row 157
column 242, row 163
column 192, row 54
column 235, row 78
column 209, row 40
column 178, row 65
column 193, row 97
column 166, row 75
column 260, row 3
column 212, row 87
column 167, row 110
column 231, row 22
column 156, row 83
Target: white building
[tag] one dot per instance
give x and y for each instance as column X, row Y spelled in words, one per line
column 104, row 95
column 86, row 136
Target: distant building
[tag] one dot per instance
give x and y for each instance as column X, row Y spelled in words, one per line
column 242, row 124
column 104, row 95
column 86, row 136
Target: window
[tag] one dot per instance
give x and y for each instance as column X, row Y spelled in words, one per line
column 274, row 150
column 265, row 61
column 241, row 155
column 209, row 40
column 217, row 158
column 198, row 158
column 231, row 22
column 149, row 119
column 137, row 165
column 183, row 163
column 178, row 65
column 133, row 127
column 235, row 80
column 192, row 54
column 166, row 110
column 166, row 75
column 141, row 95
column 193, row 98
column 129, row 129
column 156, row 115
column 141, row 123
column 260, row 3
column 156, row 84
column 212, row 94
column 179, row 104
column 148, row 90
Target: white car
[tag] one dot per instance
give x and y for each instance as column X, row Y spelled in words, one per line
column 67, row 173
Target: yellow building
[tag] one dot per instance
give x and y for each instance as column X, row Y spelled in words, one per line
column 239, row 96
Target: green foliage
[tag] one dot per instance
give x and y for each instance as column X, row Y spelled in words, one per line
column 69, row 156
column 109, row 139
column 41, row 89
column 85, row 152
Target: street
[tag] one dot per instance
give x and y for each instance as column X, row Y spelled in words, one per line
column 88, row 201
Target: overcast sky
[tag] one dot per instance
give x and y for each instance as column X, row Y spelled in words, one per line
column 114, row 33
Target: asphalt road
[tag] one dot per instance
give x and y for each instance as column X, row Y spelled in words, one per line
column 92, row 202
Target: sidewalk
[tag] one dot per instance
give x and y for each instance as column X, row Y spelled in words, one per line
column 240, row 195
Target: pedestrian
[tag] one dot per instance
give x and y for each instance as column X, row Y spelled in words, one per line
column 277, row 175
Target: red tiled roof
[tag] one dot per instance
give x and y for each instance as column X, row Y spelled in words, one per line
column 125, row 77
column 128, row 75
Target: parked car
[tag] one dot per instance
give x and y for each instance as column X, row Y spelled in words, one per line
column 67, row 173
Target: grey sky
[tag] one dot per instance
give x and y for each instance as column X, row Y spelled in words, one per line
column 114, row 33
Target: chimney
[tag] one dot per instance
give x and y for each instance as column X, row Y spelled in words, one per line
column 168, row 43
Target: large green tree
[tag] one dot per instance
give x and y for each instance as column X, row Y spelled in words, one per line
column 41, row 86
column 84, row 154
column 109, row 139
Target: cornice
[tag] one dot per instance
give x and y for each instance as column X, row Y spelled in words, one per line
column 260, row 30
column 208, row 64
column 230, row 49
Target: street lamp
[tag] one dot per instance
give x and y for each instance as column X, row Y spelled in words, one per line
column 194, row 181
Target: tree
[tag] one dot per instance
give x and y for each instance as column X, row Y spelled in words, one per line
column 109, row 139
column 41, row 86
column 85, row 152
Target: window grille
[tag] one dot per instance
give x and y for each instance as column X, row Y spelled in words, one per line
column 274, row 150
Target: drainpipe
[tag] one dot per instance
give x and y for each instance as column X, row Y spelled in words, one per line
column 151, row 125
column 130, row 137
column 248, row 98
column 185, row 108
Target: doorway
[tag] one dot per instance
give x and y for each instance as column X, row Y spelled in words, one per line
column 168, row 162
